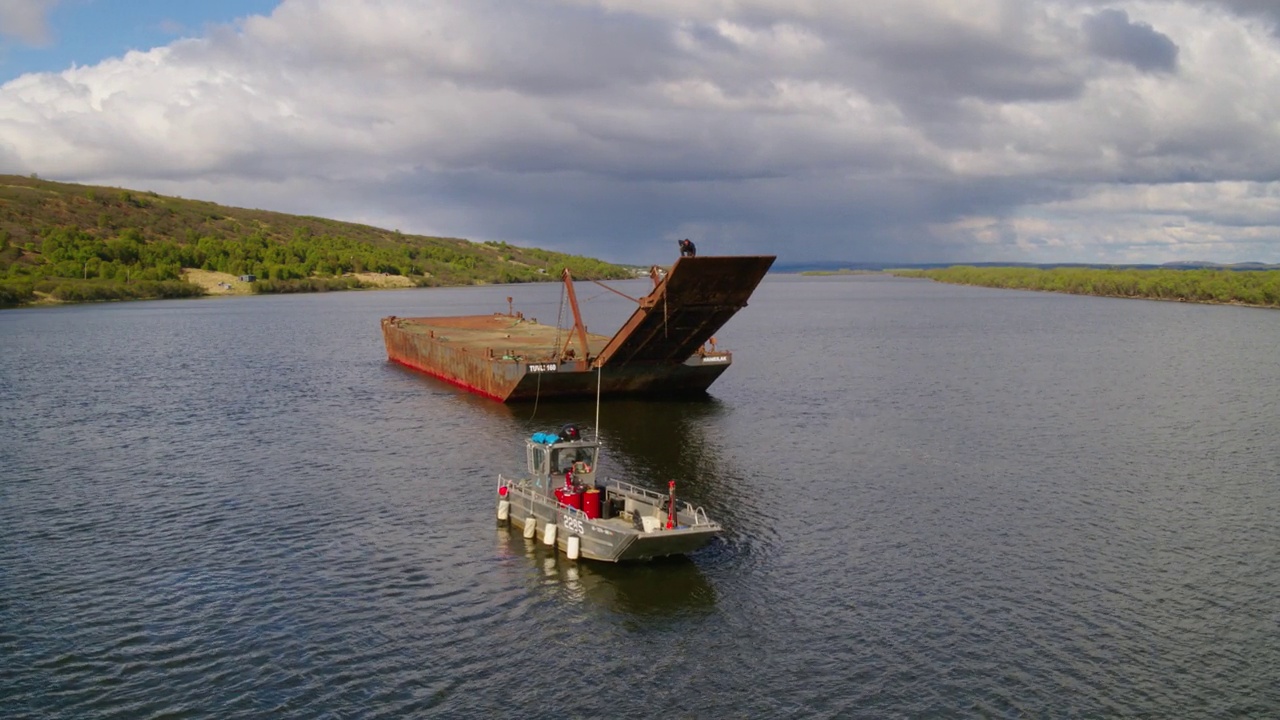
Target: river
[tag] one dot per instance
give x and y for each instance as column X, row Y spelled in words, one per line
column 939, row 501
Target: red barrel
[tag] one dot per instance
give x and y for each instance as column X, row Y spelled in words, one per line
column 572, row 499
column 591, row 503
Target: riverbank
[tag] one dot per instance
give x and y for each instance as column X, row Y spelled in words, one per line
column 193, row 282
column 1251, row 288
column 217, row 283
column 220, row 283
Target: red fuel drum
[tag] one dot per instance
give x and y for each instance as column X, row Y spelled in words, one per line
column 572, row 499
column 591, row 503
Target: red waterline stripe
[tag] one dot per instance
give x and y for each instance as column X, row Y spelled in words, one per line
column 440, row 376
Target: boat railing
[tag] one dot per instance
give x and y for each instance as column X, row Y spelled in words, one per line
column 534, row 482
column 645, row 493
column 658, row 499
column 699, row 515
column 625, row 488
column 538, row 497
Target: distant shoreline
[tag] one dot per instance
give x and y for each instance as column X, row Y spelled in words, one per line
column 218, row 283
column 1245, row 288
column 210, row 284
column 843, row 271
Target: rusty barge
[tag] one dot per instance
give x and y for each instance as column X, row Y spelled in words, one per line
column 666, row 348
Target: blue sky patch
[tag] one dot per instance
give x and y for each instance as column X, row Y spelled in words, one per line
column 85, row 32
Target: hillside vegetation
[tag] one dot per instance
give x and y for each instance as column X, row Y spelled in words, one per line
column 1242, row 287
column 76, row 243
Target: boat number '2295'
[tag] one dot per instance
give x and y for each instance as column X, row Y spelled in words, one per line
column 573, row 525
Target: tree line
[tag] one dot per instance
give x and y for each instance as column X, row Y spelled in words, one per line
column 1244, row 287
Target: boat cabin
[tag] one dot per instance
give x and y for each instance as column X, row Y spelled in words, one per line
column 562, row 457
column 553, row 461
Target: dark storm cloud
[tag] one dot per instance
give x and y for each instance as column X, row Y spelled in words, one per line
column 1111, row 35
column 968, row 64
column 892, row 130
column 816, row 218
column 25, row 21
column 1268, row 10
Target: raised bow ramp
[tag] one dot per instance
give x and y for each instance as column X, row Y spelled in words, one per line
column 660, row 350
column 686, row 309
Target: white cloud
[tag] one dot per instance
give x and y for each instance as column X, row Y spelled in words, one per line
column 879, row 130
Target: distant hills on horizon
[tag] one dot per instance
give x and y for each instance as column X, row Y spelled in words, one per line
column 799, row 267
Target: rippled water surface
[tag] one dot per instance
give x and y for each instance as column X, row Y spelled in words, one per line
column 939, row 501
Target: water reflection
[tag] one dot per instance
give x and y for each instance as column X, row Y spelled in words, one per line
column 646, row 441
column 659, row 588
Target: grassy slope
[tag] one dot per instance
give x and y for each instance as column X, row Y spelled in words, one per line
column 31, row 208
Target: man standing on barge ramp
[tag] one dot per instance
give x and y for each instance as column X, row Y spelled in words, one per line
column 687, row 248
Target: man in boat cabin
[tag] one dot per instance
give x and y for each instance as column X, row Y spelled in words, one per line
column 574, row 466
column 574, row 461
column 687, row 248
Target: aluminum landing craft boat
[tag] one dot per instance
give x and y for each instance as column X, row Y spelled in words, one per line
column 561, row 501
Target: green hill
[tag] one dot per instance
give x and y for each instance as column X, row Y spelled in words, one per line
column 74, row 243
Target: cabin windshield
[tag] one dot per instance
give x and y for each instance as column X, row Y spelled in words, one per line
column 564, row 459
column 537, row 459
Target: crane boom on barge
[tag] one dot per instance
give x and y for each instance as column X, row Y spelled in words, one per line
column 659, row 351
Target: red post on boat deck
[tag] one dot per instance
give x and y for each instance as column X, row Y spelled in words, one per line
column 671, row 505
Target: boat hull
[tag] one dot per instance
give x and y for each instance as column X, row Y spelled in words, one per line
column 621, row 538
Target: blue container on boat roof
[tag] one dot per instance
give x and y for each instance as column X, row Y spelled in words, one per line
column 539, row 437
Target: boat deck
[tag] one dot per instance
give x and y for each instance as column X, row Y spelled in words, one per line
column 690, row 303
column 509, row 336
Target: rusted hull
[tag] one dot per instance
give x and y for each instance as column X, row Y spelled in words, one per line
column 630, row 380
column 519, row 380
column 434, row 354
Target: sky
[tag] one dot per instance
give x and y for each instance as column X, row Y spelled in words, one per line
column 910, row 131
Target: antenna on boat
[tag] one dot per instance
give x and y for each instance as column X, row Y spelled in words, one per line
column 598, row 371
column 577, row 319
